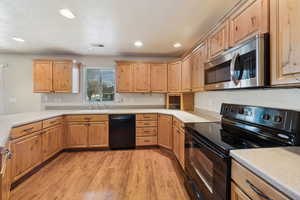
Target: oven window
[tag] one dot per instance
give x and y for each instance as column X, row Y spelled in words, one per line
column 203, row 166
column 217, row 74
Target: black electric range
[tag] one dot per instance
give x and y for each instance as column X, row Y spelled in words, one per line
column 208, row 145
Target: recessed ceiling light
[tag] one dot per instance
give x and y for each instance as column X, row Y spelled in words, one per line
column 18, row 39
column 177, row 45
column 138, row 43
column 67, row 13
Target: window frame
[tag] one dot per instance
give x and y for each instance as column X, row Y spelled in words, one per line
column 84, row 83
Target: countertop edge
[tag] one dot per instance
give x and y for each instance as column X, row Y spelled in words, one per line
column 273, row 182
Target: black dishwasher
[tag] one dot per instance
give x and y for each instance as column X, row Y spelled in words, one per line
column 121, row 131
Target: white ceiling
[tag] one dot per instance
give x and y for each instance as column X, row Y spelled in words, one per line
column 114, row 23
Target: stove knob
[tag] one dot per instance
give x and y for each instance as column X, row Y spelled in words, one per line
column 266, row 116
column 278, row 119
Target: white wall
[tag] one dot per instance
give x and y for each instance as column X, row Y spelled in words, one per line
column 18, row 95
column 278, row 98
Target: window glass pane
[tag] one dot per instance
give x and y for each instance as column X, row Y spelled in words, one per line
column 100, row 84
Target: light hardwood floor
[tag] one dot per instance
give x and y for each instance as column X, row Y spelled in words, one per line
column 110, row 175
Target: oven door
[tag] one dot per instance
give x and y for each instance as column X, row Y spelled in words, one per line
column 208, row 171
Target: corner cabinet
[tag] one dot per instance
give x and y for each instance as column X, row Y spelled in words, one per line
column 174, row 76
column 165, row 134
column 285, row 37
column 55, row 76
column 251, row 19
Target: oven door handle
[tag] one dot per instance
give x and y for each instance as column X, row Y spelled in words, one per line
column 209, row 147
column 232, row 69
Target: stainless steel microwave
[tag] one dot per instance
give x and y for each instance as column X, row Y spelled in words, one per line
column 243, row 66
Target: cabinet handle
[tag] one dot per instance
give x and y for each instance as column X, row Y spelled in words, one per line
column 146, row 131
column 52, row 122
column 87, row 118
column 146, row 124
column 146, row 140
column 257, row 191
column 28, row 129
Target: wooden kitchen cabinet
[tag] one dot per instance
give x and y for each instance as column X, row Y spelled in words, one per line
column 51, row 141
column 77, row 135
column 27, row 154
column 199, row 58
column 98, row 134
column 176, row 142
column 159, row 77
column 186, row 74
column 62, row 75
column 251, row 19
column 5, row 179
column 181, row 148
column 165, row 134
column 218, row 41
column 42, row 76
column 124, row 77
column 237, row 194
column 141, row 77
column 285, row 37
column 174, row 76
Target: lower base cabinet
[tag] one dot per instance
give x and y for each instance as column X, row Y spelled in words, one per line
column 27, row 153
column 5, row 181
column 237, row 194
column 87, row 134
column 52, row 141
column 165, row 134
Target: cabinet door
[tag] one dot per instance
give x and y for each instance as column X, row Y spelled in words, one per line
column 50, row 142
column 141, row 74
column 199, row 59
column 250, row 19
column 124, row 77
column 98, row 134
column 174, row 77
column 285, row 39
column 186, row 75
column 237, row 194
column 77, row 135
column 165, row 134
column 27, row 153
column 61, row 137
column 218, row 41
column 42, row 76
column 181, row 148
column 62, row 75
column 5, row 179
column 159, row 78
column 176, row 142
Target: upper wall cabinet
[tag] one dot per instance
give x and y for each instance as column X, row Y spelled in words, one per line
column 159, row 77
column 285, row 38
column 55, row 76
column 252, row 18
column 199, row 57
column 218, row 40
column 124, row 77
column 186, row 74
column 141, row 77
column 174, row 76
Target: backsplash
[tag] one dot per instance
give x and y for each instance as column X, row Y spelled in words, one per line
column 277, row 98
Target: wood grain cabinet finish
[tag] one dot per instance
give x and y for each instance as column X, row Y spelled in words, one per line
column 98, row 134
column 27, row 153
column 52, row 141
column 218, row 40
column 199, row 58
column 237, row 194
column 141, row 77
column 186, row 74
column 252, row 18
column 165, row 134
column 124, row 77
column 24, row 130
column 42, row 76
column 159, row 77
column 174, row 77
column 77, row 135
column 253, row 186
column 62, row 75
column 5, row 179
column 176, row 133
column 285, row 37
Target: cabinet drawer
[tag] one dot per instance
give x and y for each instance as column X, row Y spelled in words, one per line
column 52, row 122
column 146, row 141
column 152, row 131
column 146, row 123
column 26, row 129
column 80, row 118
column 252, row 185
column 146, row 117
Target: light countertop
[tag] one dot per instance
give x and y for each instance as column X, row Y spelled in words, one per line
column 280, row 167
column 13, row 120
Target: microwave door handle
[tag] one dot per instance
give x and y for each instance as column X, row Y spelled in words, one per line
column 232, row 68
